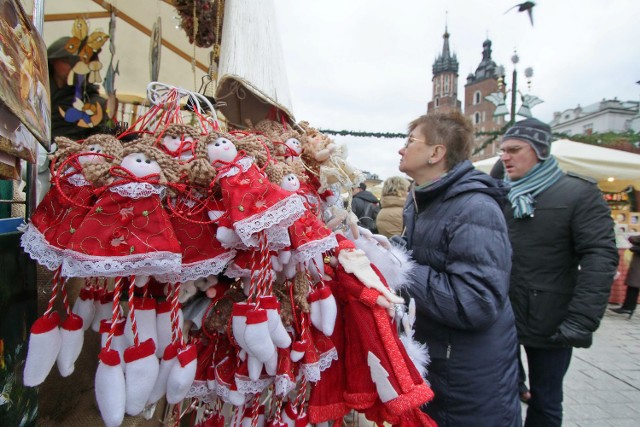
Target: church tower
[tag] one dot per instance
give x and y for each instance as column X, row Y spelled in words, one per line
column 479, row 110
column 445, row 80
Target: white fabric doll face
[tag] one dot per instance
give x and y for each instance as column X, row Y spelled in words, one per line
column 140, row 165
column 92, row 148
column 222, row 149
column 290, row 182
column 172, row 143
column 294, row 145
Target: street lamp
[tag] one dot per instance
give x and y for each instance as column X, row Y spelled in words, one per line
column 527, row 101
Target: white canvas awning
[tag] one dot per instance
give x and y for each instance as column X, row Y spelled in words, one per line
column 614, row 170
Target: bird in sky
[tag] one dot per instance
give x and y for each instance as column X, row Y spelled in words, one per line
column 528, row 6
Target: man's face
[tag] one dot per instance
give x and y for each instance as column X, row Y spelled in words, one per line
column 518, row 158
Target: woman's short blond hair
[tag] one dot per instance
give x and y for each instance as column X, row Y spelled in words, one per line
column 395, row 186
column 451, row 129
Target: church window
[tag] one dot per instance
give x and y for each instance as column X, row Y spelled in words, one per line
column 476, row 97
column 476, row 118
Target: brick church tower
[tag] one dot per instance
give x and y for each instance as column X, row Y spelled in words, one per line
column 445, row 80
column 480, row 111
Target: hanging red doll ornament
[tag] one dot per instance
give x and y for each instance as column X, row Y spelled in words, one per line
column 128, row 231
column 285, row 139
column 252, row 202
column 203, row 257
column 68, row 200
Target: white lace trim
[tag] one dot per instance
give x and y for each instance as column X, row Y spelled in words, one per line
column 34, row 243
column 277, row 238
column 326, row 359
column 207, row 267
column 312, row 370
column 222, row 391
column 282, row 214
column 161, row 263
column 200, row 391
column 78, row 180
column 310, row 250
column 138, row 190
column 233, row 271
column 245, row 163
column 284, row 385
column 247, row 386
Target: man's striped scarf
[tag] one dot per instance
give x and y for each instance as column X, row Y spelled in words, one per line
column 524, row 191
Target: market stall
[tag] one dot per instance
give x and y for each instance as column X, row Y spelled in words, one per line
column 199, row 254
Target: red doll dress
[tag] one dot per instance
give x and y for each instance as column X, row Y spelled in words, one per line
column 254, row 204
column 310, row 237
column 56, row 218
column 126, row 232
column 373, row 349
column 202, row 253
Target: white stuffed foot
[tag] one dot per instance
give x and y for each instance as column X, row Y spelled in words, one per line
column 45, row 342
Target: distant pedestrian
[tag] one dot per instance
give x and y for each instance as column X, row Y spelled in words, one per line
column 564, row 261
column 632, row 280
column 366, row 207
column 459, row 240
column 394, row 194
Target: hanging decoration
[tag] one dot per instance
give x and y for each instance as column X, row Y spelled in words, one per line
column 205, row 20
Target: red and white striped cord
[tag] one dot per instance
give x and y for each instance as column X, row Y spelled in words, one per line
column 54, row 291
column 132, row 310
column 115, row 313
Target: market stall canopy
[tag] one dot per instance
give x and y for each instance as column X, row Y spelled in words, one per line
column 614, row 170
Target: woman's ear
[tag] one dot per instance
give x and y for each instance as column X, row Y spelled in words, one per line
column 439, row 151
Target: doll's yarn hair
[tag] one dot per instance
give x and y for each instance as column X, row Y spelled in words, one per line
column 257, row 146
column 278, row 134
column 200, row 171
column 67, row 147
column 112, row 148
column 178, row 129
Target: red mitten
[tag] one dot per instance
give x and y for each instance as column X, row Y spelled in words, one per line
column 85, row 307
column 72, row 336
column 141, row 371
column 298, row 350
column 45, row 341
column 110, row 388
column 256, row 335
column 289, row 415
column 278, row 333
column 163, row 325
column 145, row 314
column 182, row 374
column 118, row 342
column 329, row 310
column 169, row 359
column 315, row 313
column 104, row 308
column 239, row 322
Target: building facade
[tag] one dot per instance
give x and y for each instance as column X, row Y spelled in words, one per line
column 445, row 80
column 608, row 115
column 478, row 109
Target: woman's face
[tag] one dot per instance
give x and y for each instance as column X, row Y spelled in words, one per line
column 414, row 156
column 222, row 149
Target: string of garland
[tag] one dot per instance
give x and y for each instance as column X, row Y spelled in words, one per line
column 363, row 134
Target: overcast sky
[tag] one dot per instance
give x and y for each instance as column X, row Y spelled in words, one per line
column 366, row 64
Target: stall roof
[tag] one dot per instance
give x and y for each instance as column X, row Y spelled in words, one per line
column 614, row 169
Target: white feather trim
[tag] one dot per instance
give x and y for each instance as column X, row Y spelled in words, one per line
column 394, row 263
column 418, row 353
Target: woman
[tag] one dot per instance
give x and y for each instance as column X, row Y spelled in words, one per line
column 632, row 280
column 394, row 194
column 456, row 231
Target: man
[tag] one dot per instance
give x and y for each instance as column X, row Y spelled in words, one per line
column 366, row 207
column 564, row 261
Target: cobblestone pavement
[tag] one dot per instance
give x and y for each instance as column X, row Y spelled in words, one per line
column 602, row 387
